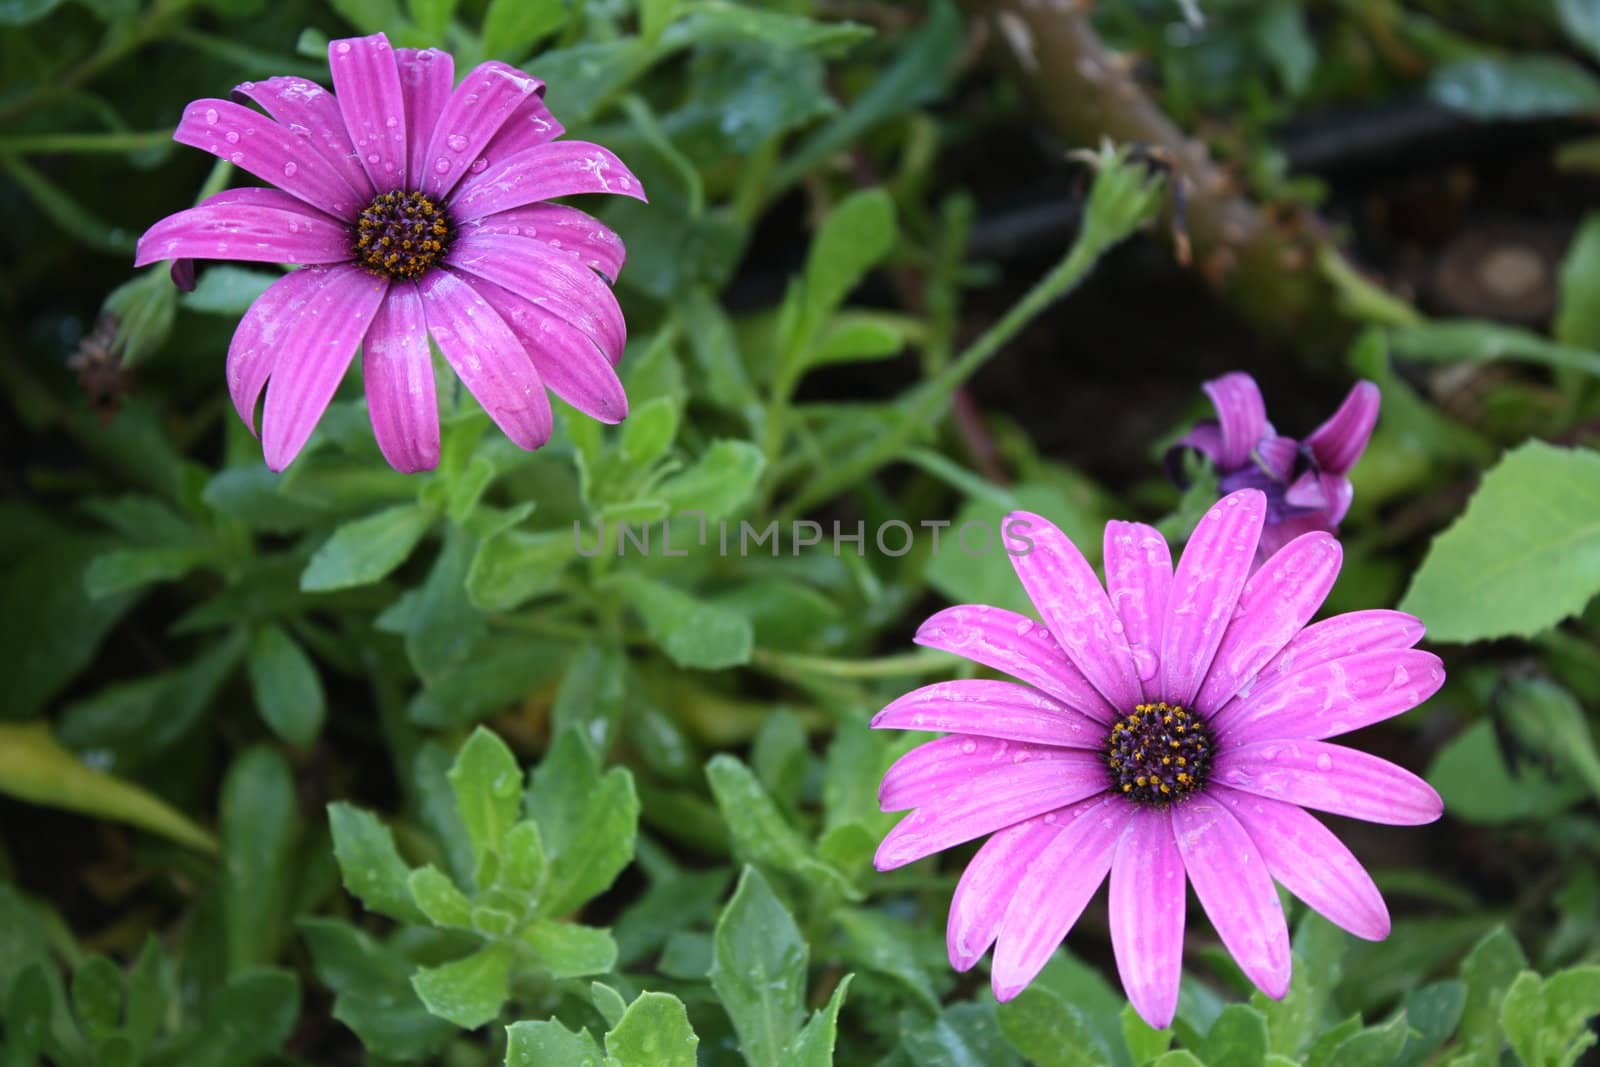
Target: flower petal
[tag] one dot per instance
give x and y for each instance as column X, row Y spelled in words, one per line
column 1333, row 697
column 991, row 879
column 529, row 126
column 311, row 117
column 263, row 334
column 259, row 225
column 426, row 77
column 1002, row 710
column 527, row 268
column 1054, row 892
column 1147, row 915
column 1310, row 862
column 318, row 342
column 1315, row 774
column 985, row 804
column 561, row 168
column 927, row 774
column 268, row 151
column 1338, row 443
column 366, row 84
column 571, row 365
column 1015, row 645
column 401, row 396
column 1210, row 576
column 487, row 357
column 1236, row 890
column 1242, row 415
column 579, row 234
column 480, row 105
column 1070, row 598
column 1279, row 599
column 1138, row 579
column 1349, row 634
column 1279, row 455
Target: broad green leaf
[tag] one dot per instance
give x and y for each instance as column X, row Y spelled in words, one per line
column 1471, row 776
column 1433, row 1012
column 35, row 768
column 258, row 830
column 224, row 289
column 511, row 27
column 759, row 970
column 522, row 862
column 249, row 1019
column 854, row 237
column 97, row 997
column 1376, row 1046
column 514, row 566
column 124, row 570
column 873, row 940
column 1488, row 970
column 568, row 950
column 608, row 1002
column 372, row 868
column 1144, row 1042
column 1546, row 1020
column 470, row 991
column 1292, row 1022
column 1050, row 1032
column 1476, row 340
column 593, row 695
column 488, row 787
column 648, row 432
column 964, row 1035
column 759, row 832
column 588, row 823
column 1524, row 86
column 1524, row 555
column 1578, row 312
column 718, row 483
column 813, row 1046
column 1549, row 721
column 367, row 549
column 692, row 632
column 439, row 898
column 653, row 1032
column 287, row 688
column 372, row 991
column 718, row 21
column 547, row 1043
column 1238, row 1036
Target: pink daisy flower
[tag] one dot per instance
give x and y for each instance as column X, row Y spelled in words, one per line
column 1166, row 728
column 1307, row 482
column 414, row 209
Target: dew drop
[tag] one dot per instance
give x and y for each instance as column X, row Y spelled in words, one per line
column 211, row 116
column 289, row 169
column 479, row 165
column 441, row 165
column 344, row 48
column 969, row 747
column 232, row 136
column 372, row 157
column 391, row 122
column 456, row 142
column 236, row 158
column 1324, row 762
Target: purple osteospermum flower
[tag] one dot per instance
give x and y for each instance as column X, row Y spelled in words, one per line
column 1169, row 728
column 1306, row 483
column 415, row 209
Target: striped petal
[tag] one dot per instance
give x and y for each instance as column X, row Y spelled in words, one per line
column 1236, row 890
column 1002, row 710
column 310, row 114
column 926, row 774
column 1138, row 580
column 1343, row 635
column 318, row 342
column 1279, row 599
column 561, row 168
column 577, row 233
column 366, row 82
column 1015, row 645
column 426, row 77
column 1070, row 598
column 571, row 365
column 1333, row 698
column 985, row 804
column 263, row 334
column 1205, row 590
column 1241, row 414
column 991, row 879
column 1338, row 443
column 1147, row 915
column 1332, row 778
column 480, row 105
column 258, row 225
column 397, row 367
column 1310, row 862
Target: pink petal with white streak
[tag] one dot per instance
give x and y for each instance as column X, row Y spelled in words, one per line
column 397, row 367
column 475, row 112
column 1002, row 710
column 926, row 774
column 561, row 168
column 1333, row 698
column 572, row 366
column 426, row 78
column 310, row 115
column 366, row 83
column 1147, row 915
column 1332, row 778
column 1138, row 580
column 1205, row 590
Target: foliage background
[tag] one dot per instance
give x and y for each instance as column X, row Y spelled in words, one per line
column 346, row 766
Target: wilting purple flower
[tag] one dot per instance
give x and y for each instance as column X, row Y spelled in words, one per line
column 416, row 209
column 1169, row 728
column 1306, row 483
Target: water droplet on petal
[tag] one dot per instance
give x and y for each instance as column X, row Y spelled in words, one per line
column 289, row 169
column 344, row 48
column 1324, row 762
column 211, row 115
column 479, row 165
column 441, row 165
column 456, row 142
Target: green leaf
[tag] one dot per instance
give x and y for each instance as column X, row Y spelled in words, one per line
column 287, row 689
column 1144, row 1042
column 1292, row 1022
column 964, row 1035
column 1471, row 776
column 588, row 823
column 568, row 950
column 1546, row 1020
column 873, row 940
column 1578, row 310
column 608, row 1002
column 719, row 482
column 1516, row 87
column 372, row 868
column 716, row 21
column 488, row 787
column 1376, row 1046
column 367, row 549
column 512, row 27
column 549, row 1044
column 692, row 632
column 250, row 1018
column 759, row 970
column 470, row 991
column 514, row 566
column 1581, row 20
column 856, row 234
column 1434, row 1012
column 439, row 898
column 123, row 570
column 593, row 695
column 1488, row 970
column 654, row 1032
column 648, row 432
column 97, row 997
column 1549, row 721
column 258, row 830
column 522, row 862
column 1524, row 555
column 227, row 290
column 759, row 832
column 1238, row 1036
column 372, row 991
column 35, row 768
column 1050, row 1032
column 813, row 1047
column 1457, row 340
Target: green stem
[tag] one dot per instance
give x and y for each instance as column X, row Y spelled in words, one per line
column 908, row 665
column 121, row 141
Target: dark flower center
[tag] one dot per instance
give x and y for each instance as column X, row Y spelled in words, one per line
column 401, row 235
column 1158, row 754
